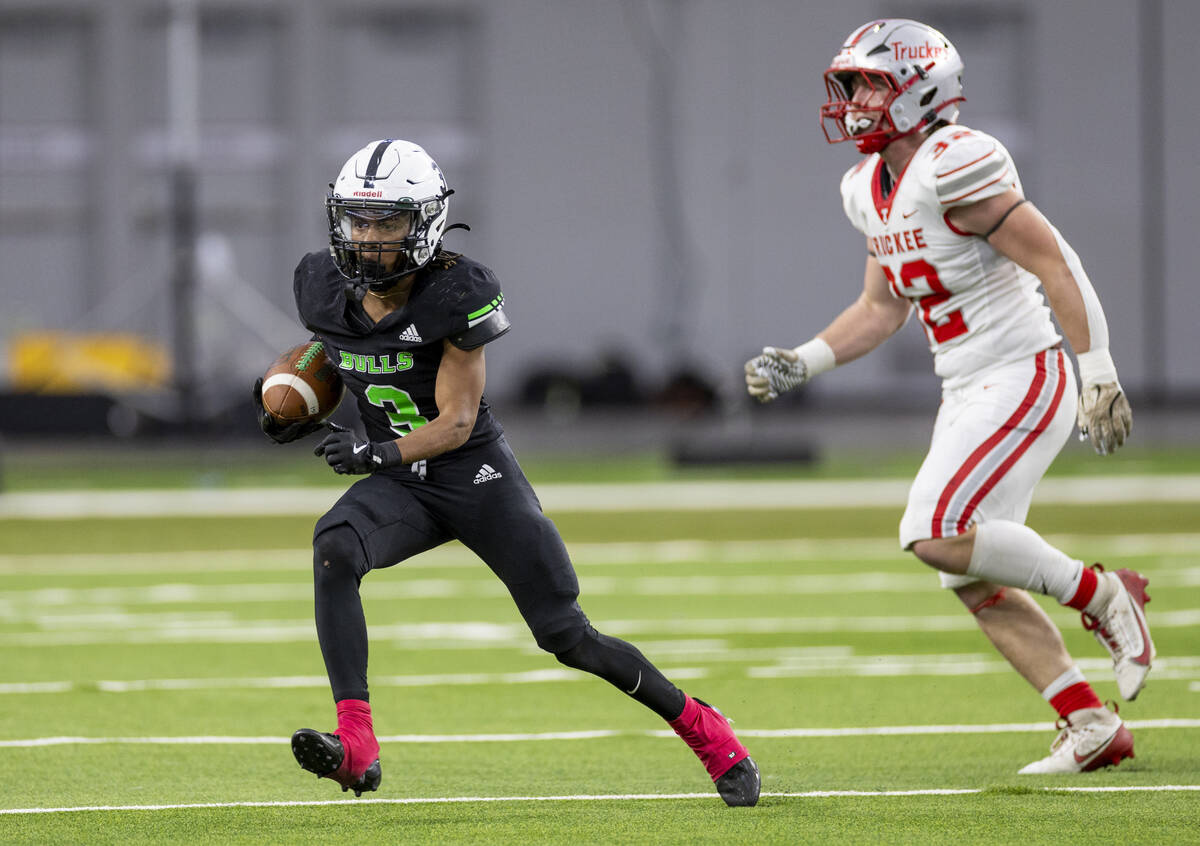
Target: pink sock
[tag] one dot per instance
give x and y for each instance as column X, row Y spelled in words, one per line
column 357, row 734
column 709, row 735
column 687, row 716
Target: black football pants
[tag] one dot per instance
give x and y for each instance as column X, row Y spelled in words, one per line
column 479, row 496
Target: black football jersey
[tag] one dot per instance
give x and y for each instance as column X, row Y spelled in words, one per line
column 390, row 367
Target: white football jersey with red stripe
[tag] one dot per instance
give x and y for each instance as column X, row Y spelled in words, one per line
column 978, row 308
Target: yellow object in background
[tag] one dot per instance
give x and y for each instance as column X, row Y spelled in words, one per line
column 86, row 362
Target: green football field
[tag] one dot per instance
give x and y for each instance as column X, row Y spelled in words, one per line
column 154, row 668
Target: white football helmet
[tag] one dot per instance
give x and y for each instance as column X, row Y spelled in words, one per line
column 385, row 179
column 916, row 62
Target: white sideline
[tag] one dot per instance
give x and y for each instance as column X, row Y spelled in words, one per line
column 595, row 797
column 718, row 495
column 852, row 731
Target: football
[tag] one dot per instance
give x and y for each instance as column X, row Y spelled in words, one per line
column 302, row 385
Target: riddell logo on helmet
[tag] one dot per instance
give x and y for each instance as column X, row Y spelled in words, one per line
column 368, row 194
column 902, row 51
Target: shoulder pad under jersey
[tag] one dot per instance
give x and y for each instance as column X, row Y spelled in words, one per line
column 320, row 289
column 969, row 166
column 476, row 302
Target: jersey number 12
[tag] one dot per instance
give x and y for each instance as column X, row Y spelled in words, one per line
column 952, row 324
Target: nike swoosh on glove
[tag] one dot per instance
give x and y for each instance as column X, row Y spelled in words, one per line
column 1104, row 416
column 774, row 372
column 346, row 454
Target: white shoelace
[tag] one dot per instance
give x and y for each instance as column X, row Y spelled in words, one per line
column 1082, row 736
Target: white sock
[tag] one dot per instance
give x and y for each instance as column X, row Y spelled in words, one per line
column 1105, row 589
column 1068, row 678
column 1008, row 553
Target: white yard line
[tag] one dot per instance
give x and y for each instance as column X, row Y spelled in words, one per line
column 634, row 496
column 586, row 554
column 851, row 731
column 18, row 605
column 55, row 605
column 112, row 628
column 595, row 797
column 299, row 682
column 789, row 662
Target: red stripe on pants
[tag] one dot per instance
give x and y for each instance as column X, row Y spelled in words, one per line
column 981, row 452
column 1025, row 444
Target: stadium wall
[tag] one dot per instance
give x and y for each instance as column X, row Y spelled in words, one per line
column 647, row 177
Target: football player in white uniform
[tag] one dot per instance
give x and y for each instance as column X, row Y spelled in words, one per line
column 950, row 235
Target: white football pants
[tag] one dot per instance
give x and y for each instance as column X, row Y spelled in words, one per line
column 992, row 443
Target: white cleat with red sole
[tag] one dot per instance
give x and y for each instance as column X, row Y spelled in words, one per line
column 1090, row 739
column 1121, row 628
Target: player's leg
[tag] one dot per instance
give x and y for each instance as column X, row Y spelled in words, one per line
column 1022, row 632
column 523, row 547
column 991, row 446
column 377, row 507
column 966, row 510
column 1112, row 603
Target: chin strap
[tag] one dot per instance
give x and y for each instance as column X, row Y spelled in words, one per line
column 878, row 145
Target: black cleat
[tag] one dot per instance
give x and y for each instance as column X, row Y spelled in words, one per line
column 739, row 787
column 323, row 754
column 709, row 734
column 317, row 751
column 368, row 781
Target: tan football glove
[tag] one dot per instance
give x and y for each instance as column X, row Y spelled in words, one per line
column 774, row 372
column 1104, row 417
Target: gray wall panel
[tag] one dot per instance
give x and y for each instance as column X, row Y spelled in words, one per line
column 643, row 175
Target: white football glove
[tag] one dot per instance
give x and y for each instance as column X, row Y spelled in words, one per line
column 1104, row 417
column 775, row 371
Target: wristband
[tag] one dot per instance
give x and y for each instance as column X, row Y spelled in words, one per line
column 817, row 356
column 1096, row 367
column 386, row 454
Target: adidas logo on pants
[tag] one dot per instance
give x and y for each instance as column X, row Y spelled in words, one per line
column 486, row 474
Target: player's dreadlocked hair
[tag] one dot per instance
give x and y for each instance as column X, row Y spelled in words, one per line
column 444, row 260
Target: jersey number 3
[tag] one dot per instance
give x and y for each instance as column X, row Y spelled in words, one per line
column 401, row 410
column 952, row 324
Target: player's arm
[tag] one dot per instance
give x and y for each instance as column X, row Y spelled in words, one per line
column 861, row 327
column 458, row 390
column 869, row 321
column 1026, row 237
column 1020, row 232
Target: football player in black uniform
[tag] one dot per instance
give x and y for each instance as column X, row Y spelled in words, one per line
column 406, row 322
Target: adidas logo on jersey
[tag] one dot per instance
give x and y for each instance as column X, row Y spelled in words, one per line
column 486, row 473
column 411, row 334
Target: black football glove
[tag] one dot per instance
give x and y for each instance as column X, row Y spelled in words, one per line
column 280, row 433
column 345, row 453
